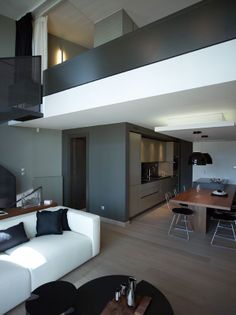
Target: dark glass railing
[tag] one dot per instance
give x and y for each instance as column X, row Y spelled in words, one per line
column 20, row 88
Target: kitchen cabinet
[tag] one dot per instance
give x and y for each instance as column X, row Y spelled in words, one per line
column 134, row 200
column 152, row 150
column 154, row 192
column 134, row 173
column 134, row 158
column 169, row 184
column 150, row 195
column 169, row 151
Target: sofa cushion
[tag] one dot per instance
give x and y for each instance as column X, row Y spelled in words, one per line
column 64, row 220
column 12, row 237
column 49, row 222
column 50, row 257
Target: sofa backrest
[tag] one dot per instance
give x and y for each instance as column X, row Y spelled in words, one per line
column 28, row 219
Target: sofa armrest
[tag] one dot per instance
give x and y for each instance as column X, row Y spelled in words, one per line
column 87, row 224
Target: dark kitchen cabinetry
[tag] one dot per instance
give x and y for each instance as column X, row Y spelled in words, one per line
column 169, row 184
column 152, row 150
column 149, row 181
column 154, row 192
column 134, row 173
column 150, row 195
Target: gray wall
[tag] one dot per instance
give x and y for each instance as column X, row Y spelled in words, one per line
column 128, row 25
column 39, row 153
column 185, row 170
column 7, row 37
column 223, row 155
column 106, row 169
column 70, row 49
column 113, row 27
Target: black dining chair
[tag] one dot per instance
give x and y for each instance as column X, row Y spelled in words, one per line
column 179, row 214
column 226, row 221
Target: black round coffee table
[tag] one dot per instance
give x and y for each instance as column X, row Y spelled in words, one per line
column 93, row 296
column 52, row 298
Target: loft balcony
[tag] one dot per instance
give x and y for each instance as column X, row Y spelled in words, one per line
column 199, row 26
column 182, row 56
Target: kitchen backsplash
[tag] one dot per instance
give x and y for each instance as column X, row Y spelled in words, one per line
column 156, row 169
column 165, row 169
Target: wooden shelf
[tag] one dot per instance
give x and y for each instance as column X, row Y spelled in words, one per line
column 13, row 212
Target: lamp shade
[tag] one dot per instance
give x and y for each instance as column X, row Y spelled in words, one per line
column 197, row 158
column 208, row 158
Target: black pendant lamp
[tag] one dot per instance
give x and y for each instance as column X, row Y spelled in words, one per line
column 197, row 158
column 208, row 158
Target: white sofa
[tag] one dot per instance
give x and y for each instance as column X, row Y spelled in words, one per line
column 45, row 258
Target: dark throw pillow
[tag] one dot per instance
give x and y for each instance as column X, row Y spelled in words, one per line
column 49, row 222
column 13, row 236
column 64, row 220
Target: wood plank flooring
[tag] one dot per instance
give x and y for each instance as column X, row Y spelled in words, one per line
column 195, row 277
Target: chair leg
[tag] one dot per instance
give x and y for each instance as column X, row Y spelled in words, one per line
column 186, row 227
column 232, row 225
column 172, row 222
column 175, row 221
column 213, row 237
column 221, row 236
column 178, row 217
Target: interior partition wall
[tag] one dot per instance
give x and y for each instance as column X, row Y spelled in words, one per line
column 105, row 169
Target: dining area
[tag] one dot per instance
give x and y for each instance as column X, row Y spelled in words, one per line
column 203, row 210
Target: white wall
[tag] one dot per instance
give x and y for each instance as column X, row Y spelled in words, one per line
column 224, row 159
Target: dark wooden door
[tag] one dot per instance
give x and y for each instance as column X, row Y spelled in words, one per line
column 78, row 173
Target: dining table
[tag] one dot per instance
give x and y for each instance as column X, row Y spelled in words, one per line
column 199, row 200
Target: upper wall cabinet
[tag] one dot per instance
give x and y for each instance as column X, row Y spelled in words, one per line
column 169, row 151
column 152, row 150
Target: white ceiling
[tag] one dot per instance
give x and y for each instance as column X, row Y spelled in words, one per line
column 155, row 111
column 15, row 9
column 74, row 19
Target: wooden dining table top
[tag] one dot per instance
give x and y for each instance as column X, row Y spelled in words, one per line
column 205, row 198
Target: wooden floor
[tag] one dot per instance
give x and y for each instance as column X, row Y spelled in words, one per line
column 197, row 279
